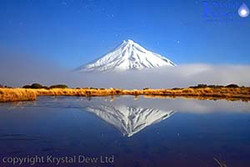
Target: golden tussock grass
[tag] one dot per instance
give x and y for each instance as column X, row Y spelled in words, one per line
column 16, row 94
column 22, row 94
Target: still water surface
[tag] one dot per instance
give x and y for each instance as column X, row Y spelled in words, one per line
column 128, row 131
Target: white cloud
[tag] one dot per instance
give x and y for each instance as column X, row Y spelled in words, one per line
column 20, row 70
column 180, row 76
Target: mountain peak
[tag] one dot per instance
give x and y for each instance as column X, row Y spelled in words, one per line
column 128, row 41
column 128, row 56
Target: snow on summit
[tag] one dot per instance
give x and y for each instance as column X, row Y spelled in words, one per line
column 128, row 56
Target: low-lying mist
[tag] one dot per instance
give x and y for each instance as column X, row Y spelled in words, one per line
column 180, row 76
column 20, row 70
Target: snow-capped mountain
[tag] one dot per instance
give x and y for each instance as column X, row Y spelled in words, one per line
column 129, row 120
column 128, row 56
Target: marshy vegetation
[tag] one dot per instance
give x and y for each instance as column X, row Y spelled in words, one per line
column 201, row 91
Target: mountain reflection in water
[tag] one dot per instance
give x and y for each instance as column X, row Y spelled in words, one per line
column 137, row 131
column 128, row 119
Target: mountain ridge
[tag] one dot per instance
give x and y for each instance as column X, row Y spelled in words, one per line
column 127, row 56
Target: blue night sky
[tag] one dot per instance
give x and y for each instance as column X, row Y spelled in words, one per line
column 74, row 32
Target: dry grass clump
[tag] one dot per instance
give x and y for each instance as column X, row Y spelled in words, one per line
column 16, row 94
column 223, row 92
column 77, row 92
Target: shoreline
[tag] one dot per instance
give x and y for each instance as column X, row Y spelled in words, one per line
column 206, row 93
